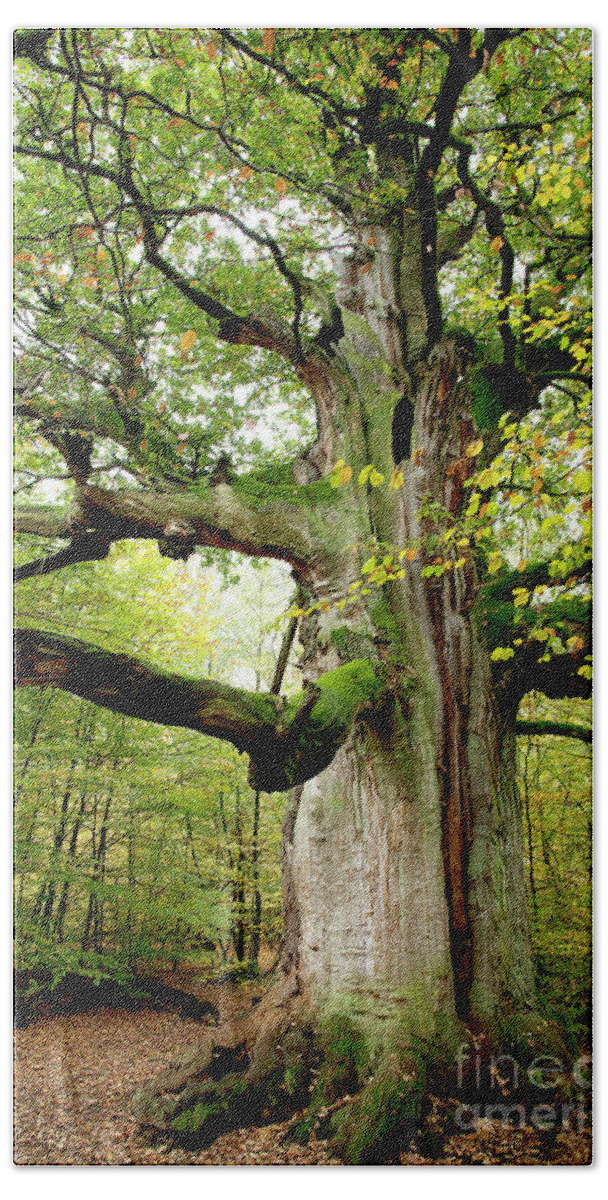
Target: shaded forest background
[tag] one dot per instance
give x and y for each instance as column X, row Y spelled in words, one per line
column 141, row 849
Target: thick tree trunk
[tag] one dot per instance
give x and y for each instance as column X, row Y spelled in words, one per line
column 404, row 866
column 404, row 892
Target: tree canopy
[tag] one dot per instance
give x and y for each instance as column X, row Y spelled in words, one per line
column 175, row 285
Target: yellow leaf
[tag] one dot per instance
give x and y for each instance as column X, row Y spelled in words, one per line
column 502, row 653
column 268, row 40
column 280, row 186
column 459, row 563
column 496, row 243
column 397, row 479
column 101, row 254
column 494, row 562
column 520, row 597
column 474, row 448
column 186, row 342
column 488, row 478
column 574, row 644
column 522, row 564
column 376, row 478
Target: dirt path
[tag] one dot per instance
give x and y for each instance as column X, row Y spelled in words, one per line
column 74, row 1079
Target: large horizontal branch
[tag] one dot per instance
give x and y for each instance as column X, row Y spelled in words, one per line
column 517, row 629
column 553, row 729
column 219, row 516
column 288, row 741
column 529, row 670
column 42, row 520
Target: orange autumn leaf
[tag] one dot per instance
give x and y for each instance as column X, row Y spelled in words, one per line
column 280, row 186
column 186, row 342
column 268, row 40
column 496, row 243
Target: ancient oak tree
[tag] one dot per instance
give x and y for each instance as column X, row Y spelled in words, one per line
column 375, row 242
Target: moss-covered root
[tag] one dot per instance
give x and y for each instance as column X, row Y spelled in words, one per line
column 368, row 1107
column 234, row 1079
column 343, row 1065
column 383, row 1118
column 277, row 1062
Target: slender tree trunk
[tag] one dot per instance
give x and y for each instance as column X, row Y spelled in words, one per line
column 238, row 894
column 530, row 842
column 62, row 907
column 256, row 913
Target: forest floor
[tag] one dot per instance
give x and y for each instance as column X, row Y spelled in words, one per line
column 75, row 1076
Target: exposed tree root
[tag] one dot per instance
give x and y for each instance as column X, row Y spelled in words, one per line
column 283, row 1058
column 367, row 1097
column 243, row 1072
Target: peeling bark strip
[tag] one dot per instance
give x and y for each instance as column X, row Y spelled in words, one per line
column 456, row 815
column 441, row 427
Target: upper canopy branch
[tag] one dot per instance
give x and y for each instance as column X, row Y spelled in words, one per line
column 463, row 66
column 288, row 742
column 251, row 329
